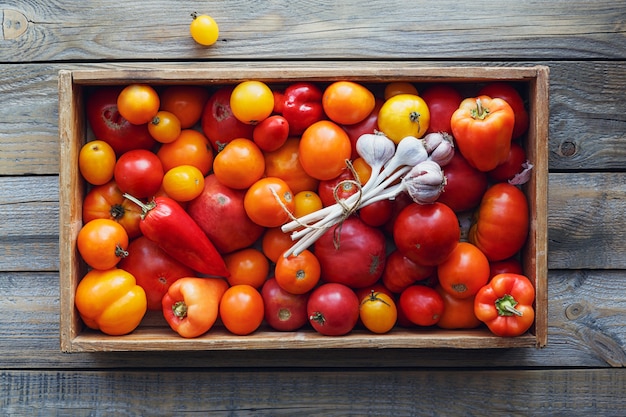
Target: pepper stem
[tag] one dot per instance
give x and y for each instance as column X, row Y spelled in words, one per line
column 145, row 207
column 506, row 306
column 480, row 112
column 180, row 309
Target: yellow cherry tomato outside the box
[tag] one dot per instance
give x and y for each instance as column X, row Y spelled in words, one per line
column 204, row 29
column 404, row 115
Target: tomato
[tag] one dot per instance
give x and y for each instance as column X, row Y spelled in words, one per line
column 367, row 125
column 275, row 242
column 378, row 312
column 377, row 213
column 107, row 202
column 508, row 266
column 511, row 95
column 164, row 127
column 153, row 269
column 352, row 243
column 284, row 163
column 502, row 222
column 102, row 243
column 186, row 102
column 333, row 309
column 183, row 183
column 401, row 272
column 138, row 103
column 324, row 149
column 458, row 313
column 218, row 122
column 247, row 266
column 464, row 272
column 404, row 115
column 426, row 234
column 422, row 305
column 242, row 309
column 298, row 274
column 347, row 102
column 511, row 166
column 191, row 148
column 239, row 164
column 269, row 201
column 252, row 102
column 110, row 301
column 442, row 101
column 108, row 125
column 306, row 202
column 284, row 311
column 271, row 133
column 139, row 173
column 465, row 185
column 204, row 29
column 341, row 187
column 399, row 87
column 96, row 162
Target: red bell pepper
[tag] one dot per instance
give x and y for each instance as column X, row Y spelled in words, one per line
column 505, row 304
column 302, row 106
column 165, row 222
column 482, row 128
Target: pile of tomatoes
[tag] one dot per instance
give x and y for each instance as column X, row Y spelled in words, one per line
column 243, row 160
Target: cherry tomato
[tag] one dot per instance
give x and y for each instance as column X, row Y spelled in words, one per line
column 240, row 164
column 324, row 149
column 298, row 274
column 252, row 102
column 96, row 162
column 102, row 243
column 464, row 272
column 422, row 305
column 107, row 202
column 271, row 133
column 275, row 242
column 333, row 309
column 341, row 187
column 404, row 115
column 284, row 163
column 378, row 312
column 284, row 311
column 204, row 29
column 269, row 201
column 401, row 272
column 218, row 122
column 442, row 100
column 511, row 95
column 139, row 173
column 138, row 103
column 183, row 183
column 247, row 266
column 186, row 102
column 306, row 202
column 191, row 148
column 399, row 87
column 241, row 309
column 347, row 102
column 376, row 214
column 458, row 313
column 164, row 127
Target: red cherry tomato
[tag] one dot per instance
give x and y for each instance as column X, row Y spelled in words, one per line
column 333, row 309
column 139, row 173
column 271, row 133
column 422, row 305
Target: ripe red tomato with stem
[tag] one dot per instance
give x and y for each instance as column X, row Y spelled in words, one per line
column 333, row 309
column 107, row 202
column 284, row 311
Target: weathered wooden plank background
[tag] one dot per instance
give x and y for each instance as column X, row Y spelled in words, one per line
column 583, row 43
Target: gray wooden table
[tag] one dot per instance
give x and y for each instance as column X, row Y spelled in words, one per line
column 577, row 373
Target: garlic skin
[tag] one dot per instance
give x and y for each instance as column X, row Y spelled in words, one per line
column 440, row 147
column 425, row 182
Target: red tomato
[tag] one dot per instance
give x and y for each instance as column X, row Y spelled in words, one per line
column 344, row 183
column 422, row 305
column 241, row 309
column 426, row 234
column 108, row 125
column 107, row 202
column 333, row 309
column 464, row 272
column 442, row 100
column 218, row 122
column 271, row 133
column 465, row 185
column 153, row 269
column 458, row 313
column 511, row 95
column 511, row 167
column 506, row 266
column 400, row 272
column 367, row 125
column 139, row 173
column 284, row 311
column 377, row 214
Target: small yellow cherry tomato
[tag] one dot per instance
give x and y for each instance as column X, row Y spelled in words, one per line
column 404, row 115
column 252, row 101
column 96, row 162
column 164, row 127
column 204, row 29
column 378, row 312
column 183, row 183
column 306, row 202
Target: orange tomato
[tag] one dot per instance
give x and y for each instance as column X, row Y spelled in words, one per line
column 164, row 127
column 399, row 87
column 298, row 274
column 138, row 103
column 183, row 183
column 96, row 162
column 242, row 309
column 378, row 312
column 191, row 148
column 458, row 313
column 404, row 115
column 186, row 102
column 251, row 102
column 247, row 266
column 363, row 170
column 284, row 163
column 269, row 202
column 306, row 202
column 107, row 201
column 275, row 242
column 347, row 102
column 240, row 164
column 102, row 243
column 324, row 149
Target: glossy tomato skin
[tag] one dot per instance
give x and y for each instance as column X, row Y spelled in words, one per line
column 367, row 125
column 458, row 313
column 139, row 173
column 107, row 202
column 511, row 95
column 442, row 101
column 284, row 311
column 464, row 272
column 422, row 305
column 401, row 272
column 465, row 185
column 153, row 269
column 108, row 125
column 301, row 106
column 377, row 214
column 505, row 266
column 333, row 309
column 426, row 234
column 218, row 122
column 345, row 184
column 511, row 166
column 271, row 133
column 358, row 259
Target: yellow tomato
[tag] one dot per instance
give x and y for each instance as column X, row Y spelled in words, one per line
column 251, row 102
column 404, row 115
column 183, row 183
column 378, row 312
column 164, row 127
column 204, row 29
column 306, row 202
column 399, row 87
column 96, row 162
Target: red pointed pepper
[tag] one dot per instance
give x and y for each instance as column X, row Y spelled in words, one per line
column 165, row 222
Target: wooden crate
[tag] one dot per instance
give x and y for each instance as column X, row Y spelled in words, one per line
column 154, row 334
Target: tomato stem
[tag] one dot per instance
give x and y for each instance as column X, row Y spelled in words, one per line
column 318, row 317
column 506, row 306
column 415, row 117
